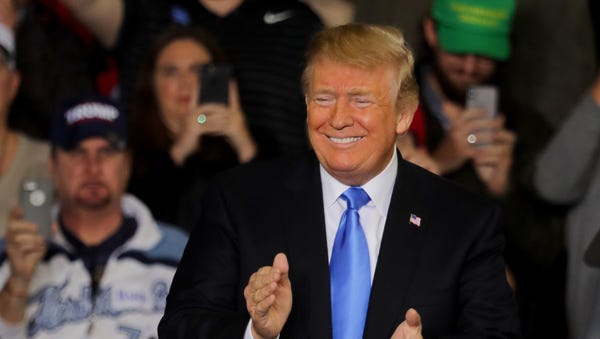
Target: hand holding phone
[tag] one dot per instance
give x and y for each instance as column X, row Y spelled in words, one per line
column 37, row 199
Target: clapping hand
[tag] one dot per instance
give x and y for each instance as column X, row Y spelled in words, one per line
column 269, row 298
column 410, row 328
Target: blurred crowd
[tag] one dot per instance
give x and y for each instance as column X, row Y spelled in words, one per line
column 69, row 66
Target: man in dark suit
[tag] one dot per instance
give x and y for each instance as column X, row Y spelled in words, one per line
column 432, row 251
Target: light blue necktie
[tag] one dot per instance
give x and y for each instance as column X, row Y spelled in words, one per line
column 350, row 270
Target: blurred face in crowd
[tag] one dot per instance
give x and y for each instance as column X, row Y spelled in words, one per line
column 352, row 119
column 456, row 72
column 176, row 78
column 9, row 83
column 92, row 176
column 463, row 70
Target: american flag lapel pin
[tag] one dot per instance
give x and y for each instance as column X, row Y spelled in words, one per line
column 415, row 220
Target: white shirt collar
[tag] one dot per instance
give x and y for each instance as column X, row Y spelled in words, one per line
column 378, row 188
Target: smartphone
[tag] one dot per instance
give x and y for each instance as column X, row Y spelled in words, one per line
column 214, row 83
column 37, row 200
column 484, row 97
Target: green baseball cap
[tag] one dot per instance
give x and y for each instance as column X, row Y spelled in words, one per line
column 479, row 27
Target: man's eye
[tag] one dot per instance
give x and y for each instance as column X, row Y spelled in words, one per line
column 324, row 100
column 362, row 102
column 107, row 152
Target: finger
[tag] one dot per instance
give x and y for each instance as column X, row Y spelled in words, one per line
column 211, row 108
column 500, row 119
column 16, row 213
column 264, row 276
column 234, row 97
column 280, row 264
column 486, row 160
column 452, row 111
column 257, row 289
column 474, row 114
column 484, row 137
column 248, row 292
column 26, row 241
column 264, row 292
column 500, row 151
column 480, row 125
column 505, row 137
column 262, row 308
column 35, row 251
column 413, row 319
column 16, row 227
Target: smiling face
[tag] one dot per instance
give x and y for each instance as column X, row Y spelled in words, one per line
column 352, row 119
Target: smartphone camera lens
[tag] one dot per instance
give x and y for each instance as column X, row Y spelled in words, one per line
column 37, row 198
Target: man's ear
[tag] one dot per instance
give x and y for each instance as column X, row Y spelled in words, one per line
column 430, row 33
column 404, row 119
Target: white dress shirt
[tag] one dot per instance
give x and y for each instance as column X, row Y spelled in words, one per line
column 372, row 215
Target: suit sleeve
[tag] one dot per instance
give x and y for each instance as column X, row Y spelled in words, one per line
column 486, row 302
column 206, row 298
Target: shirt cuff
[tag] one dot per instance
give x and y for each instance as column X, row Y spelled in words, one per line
column 16, row 331
column 248, row 333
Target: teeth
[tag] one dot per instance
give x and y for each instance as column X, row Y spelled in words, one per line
column 344, row 140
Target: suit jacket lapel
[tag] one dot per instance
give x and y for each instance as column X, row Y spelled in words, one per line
column 399, row 251
column 307, row 253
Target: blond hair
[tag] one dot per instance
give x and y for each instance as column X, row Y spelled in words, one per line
column 367, row 47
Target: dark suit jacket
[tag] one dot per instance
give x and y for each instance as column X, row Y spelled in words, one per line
column 450, row 269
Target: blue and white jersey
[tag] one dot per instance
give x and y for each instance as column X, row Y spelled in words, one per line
column 132, row 292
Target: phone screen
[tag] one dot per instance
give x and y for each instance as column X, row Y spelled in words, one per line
column 483, row 97
column 214, row 83
column 37, row 199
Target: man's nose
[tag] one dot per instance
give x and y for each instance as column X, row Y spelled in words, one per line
column 470, row 63
column 341, row 115
column 93, row 163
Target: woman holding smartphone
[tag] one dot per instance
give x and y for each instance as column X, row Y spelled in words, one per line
column 178, row 143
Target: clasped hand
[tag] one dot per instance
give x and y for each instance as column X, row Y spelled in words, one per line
column 218, row 119
column 485, row 141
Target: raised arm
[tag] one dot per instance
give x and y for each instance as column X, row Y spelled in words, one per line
column 566, row 165
column 103, row 18
column 24, row 249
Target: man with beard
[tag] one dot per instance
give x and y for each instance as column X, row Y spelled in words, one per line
column 106, row 269
column 467, row 39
